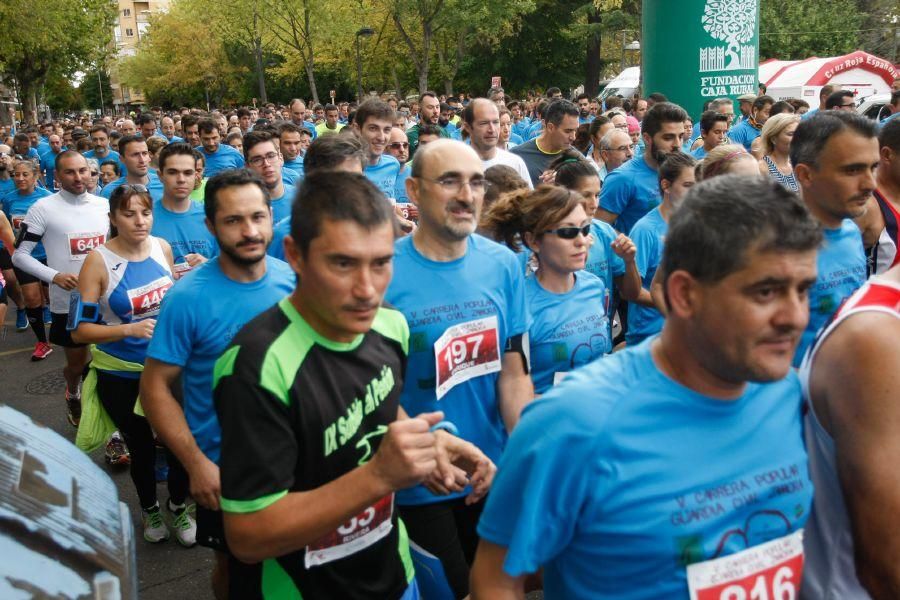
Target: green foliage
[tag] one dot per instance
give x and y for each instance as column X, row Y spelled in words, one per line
column 802, row 28
column 90, row 89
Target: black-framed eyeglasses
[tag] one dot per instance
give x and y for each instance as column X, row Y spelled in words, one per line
column 851, row 105
column 570, row 233
column 454, row 185
column 269, row 157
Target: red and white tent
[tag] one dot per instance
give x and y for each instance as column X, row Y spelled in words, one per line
column 860, row 72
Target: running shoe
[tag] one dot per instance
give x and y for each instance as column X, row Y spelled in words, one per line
column 155, row 529
column 41, row 351
column 184, row 525
column 48, row 318
column 116, row 451
column 21, row 319
column 73, row 409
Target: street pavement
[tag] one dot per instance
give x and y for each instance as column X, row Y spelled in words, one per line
column 166, row 571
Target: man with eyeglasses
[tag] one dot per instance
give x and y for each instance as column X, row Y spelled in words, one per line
column 841, row 100
column 481, row 120
column 615, row 151
column 69, row 224
column 263, row 158
column 136, row 157
column 373, row 123
column 219, row 157
column 464, row 299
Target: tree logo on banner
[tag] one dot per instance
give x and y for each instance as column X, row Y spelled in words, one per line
column 732, row 22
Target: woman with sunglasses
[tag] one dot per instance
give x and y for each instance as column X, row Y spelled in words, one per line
column 128, row 277
column 567, row 303
column 16, row 205
column 93, row 184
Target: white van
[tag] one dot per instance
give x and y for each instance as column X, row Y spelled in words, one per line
column 625, row 84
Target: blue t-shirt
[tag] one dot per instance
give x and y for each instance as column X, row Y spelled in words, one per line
column 649, row 236
column 174, row 139
column 224, row 158
column 296, row 166
column 384, row 174
column 155, row 187
column 841, row 265
column 619, row 477
column 198, row 318
column 48, row 166
column 569, row 330
column 744, row 133
column 486, row 287
column 699, row 153
column 111, row 155
column 281, row 206
column 280, row 230
column 601, row 260
column 630, row 191
column 534, row 130
column 16, row 205
column 186, row 232
column 520, row 128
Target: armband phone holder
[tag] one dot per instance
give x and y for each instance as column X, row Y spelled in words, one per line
column 81, row 312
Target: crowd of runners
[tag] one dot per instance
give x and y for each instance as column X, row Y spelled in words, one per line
column 476, row 347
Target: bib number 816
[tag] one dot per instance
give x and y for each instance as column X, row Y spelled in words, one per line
column 782, row 588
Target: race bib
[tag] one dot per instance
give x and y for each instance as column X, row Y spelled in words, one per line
column 770, row 571
column 410, row 211
column 465, row 351
column 145, row 300
column 182, row 268
column 81, row 244
column 360, row 532
column 17, row 223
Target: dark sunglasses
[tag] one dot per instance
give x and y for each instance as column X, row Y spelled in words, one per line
column 570, row 233
column 398, row 145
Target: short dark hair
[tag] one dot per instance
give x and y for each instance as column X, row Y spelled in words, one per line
column 189, row 120
column 330, row 106
column 657, row 97
column 243, row 112
column 552, row 91
column 351, row 197
column 115, row 165
column 63, row 156
column 129, row 139
column 146, row 118
column 429, row 129
column 176, row 149
column 659, row 113
column 583, row 96
column 255, row 138
column 558, row 110
column 889, row 136
column 207, row 125
column 761, row 102
column 813, row 133
column 598, row 122
column 373, row 108
column 709, row 119
column 837, row 98
column 782, row 106
column 702, row 237
column 330, row 151
column 199, row 156
column 102, row 128
column 673, row 165
column 228, row 179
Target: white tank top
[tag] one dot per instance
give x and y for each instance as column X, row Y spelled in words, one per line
column 829, row 572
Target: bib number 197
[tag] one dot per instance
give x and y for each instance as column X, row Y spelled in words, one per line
column 465, row 351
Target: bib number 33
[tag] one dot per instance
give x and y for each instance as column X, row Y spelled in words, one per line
column 465, row 351
column 770, row 571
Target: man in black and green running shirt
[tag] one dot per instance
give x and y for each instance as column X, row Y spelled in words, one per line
column 314, row 442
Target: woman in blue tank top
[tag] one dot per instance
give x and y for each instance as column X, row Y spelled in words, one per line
column 128, row 277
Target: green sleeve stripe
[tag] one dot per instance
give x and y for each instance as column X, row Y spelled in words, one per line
column 284, row 357
column 403, row 550
column 225, row 365
column 276, row 583
column 392, row 324
column 249, row 506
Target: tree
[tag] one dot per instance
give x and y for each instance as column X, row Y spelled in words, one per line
column 43, row 35
column 802, row 28
column 91, row 87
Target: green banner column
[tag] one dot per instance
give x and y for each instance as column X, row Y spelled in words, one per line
column 697, row 50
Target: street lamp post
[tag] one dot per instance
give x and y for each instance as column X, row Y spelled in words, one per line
column 633, row 45
column 364, row 32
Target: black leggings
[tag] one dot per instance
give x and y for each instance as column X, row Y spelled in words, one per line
column 447, row 530
column 118, row 395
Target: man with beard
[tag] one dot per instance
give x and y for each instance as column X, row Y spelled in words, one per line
column 560, row 124
column 219, row 157
column 835, row 156
column 632, row 190
column 373, row 123
column 430, row 108
column 476, row 289
column 102, row 151
column 194, row 327
column 584, row 108
column 136, row 157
